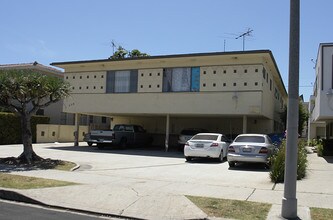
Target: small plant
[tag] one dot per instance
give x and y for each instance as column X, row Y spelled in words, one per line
column 320, row 148
column 278, row 163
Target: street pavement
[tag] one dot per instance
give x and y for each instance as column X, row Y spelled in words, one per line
column 151, row 184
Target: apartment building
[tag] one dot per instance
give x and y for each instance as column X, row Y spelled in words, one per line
column 228, row 92
column 321, row 102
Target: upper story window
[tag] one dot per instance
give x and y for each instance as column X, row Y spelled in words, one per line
column 123, row 81
column 177, row 80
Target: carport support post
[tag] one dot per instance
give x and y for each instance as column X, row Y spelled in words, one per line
column 77, row 128
column 167, row 132
column 244, row 124
column 289, row 200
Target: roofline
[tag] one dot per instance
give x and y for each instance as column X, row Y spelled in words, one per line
column 163, row 56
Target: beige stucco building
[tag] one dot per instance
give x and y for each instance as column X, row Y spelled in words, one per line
column 228, row 92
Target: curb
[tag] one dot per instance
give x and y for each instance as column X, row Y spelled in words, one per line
column 18, row 197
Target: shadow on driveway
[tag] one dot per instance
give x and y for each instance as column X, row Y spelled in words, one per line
column 151, row 151
column 257, row 167
column 329, row 159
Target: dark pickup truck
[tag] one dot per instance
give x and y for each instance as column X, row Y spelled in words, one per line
column 122, row 135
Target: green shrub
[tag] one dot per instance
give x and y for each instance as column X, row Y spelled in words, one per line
column 10, row 127
column 278, row 163
column 320, row 148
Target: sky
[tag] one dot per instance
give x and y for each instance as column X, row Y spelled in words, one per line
column 70, row 30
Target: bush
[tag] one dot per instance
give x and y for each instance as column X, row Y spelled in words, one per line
column 10, row 127
column 320, row 148
column 278, row 163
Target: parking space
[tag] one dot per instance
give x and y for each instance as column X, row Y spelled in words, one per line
column 152, row 165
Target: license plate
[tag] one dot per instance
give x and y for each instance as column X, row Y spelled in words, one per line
column 199, row 145
column 247, row 150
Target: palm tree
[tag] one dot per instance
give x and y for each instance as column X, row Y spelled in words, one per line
column 25, row 92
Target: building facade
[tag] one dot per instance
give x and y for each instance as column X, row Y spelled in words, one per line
column 230, row 92
column 321, row 102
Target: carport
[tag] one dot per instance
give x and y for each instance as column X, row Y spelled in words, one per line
column 165, row 128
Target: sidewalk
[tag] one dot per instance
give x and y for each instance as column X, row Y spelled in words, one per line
column 154, row 199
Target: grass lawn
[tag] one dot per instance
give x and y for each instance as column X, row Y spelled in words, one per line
column 321, row 214
column 24, row 182
column 234, row 209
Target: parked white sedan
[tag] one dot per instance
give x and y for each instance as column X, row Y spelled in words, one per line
column 207, row 145
column 250, row 148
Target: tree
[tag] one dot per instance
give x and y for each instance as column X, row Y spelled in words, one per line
column 122, row 53
column 303, row 117
column 25, row 92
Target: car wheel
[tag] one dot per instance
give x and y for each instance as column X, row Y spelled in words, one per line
column 232, row 164
column 90, row 144
column 188, row 158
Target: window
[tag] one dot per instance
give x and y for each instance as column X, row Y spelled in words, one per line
column 103, row 120
column 149, row 86
column 73, row 77
column 264, row 73
column 158, row 74
column 204, row 85
column 245, row 71
column 245, row 84
column 177, row 80
column 224, row 71
column 149, row 74
column 141, row 74
column 87, row 87
column 256, row 83
column 80, row 77
column 122, row 81
column 42, row 133
column 141, row 86
column 88, row 77
column 53, row 133
column 95, row 76
column 204, row 72
column 214, row 84
column 224, row 84
column 66, row 77
column 214, row 72
column 91, row 119
column 235, row 71
column 235, row 84
column 256, row 70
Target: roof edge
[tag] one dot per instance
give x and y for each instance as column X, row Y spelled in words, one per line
column 164, row 56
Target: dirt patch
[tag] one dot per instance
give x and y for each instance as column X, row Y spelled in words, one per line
column 15, row 163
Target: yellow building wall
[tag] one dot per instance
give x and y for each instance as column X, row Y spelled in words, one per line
column 58, row 133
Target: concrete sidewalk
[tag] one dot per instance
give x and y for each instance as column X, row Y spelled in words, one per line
column 138, row 196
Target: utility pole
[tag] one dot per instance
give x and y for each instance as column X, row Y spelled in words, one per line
column 247, row 33
column 289, row 200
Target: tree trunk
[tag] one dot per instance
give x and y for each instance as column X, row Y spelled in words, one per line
column 28, row 153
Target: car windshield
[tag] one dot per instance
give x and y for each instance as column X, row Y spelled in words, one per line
column 252, row 139
column 210, row 137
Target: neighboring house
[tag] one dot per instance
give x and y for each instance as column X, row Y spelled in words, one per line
column 321, row 102
column 228, row 92
column 55, row 111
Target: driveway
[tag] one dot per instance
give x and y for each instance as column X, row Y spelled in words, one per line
column 126, row 182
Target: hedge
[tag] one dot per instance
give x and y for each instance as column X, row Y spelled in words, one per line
column 10, row 127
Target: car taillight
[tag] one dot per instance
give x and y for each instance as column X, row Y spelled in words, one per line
column 231, row 149
column 214, row 145
column 263, row 150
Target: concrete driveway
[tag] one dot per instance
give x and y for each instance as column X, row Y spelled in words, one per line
column 125, row 182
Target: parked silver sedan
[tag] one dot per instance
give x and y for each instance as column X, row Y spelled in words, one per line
column 250, row 148
column 207, row 145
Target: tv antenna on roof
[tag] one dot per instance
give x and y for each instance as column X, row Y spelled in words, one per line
column 243, row 35
column 113, row 45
